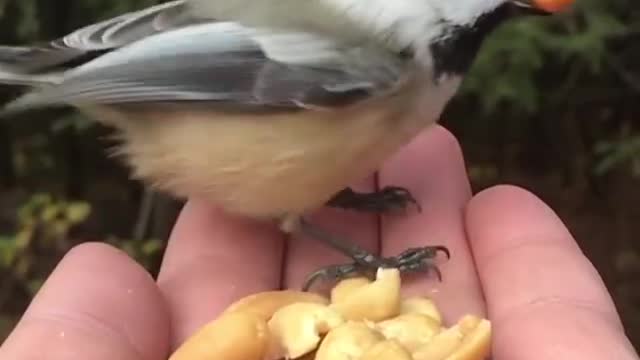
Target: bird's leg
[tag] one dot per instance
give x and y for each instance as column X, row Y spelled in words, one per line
column 387, row 199
column 365, row 263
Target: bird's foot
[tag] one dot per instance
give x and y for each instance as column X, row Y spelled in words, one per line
column 386, row 200
column 412, row 260
column 365, row 263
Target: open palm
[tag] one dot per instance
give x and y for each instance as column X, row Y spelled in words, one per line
column 512, row 260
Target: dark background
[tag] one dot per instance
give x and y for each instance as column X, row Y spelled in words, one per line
column 552, row 105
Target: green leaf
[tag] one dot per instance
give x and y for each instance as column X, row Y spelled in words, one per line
column 23, row 238
column 51, row 212
column 8, row 251
column 78, row 212
column 152, row 247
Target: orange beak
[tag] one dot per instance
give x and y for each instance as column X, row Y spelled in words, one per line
column 553, row 6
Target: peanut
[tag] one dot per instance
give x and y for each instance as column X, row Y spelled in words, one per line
column 420, row 305
column 362, row 320
column 386, row 350
column 477, row 341
column 234, row 336
column 345, row 288
column 377, row 301
column 297, row 327
column 348, row 341
column 266, row 303
column 469, row 339
column 411, row 330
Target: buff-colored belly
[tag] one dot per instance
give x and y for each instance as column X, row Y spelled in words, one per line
column 268, row 165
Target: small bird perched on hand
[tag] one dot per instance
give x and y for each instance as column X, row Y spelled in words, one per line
column 269, row 108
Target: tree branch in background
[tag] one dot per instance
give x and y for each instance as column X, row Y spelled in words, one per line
column 144, row 215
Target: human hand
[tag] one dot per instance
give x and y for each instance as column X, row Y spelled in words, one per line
column 512, row 260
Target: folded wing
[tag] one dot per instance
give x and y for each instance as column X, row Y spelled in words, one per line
column 91, row 41
column 229, row 65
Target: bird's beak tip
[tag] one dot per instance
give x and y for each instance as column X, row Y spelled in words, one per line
column 553, row 6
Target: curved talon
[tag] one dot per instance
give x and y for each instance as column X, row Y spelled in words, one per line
column 401, row 195
column 443, row 249
column 436, row 270
column 385, row 200
column 334, row 272
column 418, row 206
column 420, row 259
column 312, row 279
column 424, row 252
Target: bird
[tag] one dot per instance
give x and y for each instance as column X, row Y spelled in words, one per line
column 269, row 108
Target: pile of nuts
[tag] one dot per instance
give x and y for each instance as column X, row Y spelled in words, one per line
column 363, row 320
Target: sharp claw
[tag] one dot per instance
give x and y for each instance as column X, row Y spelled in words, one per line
column 445, row 250
column 386, row 200
column 312, row 279
column 335, row 272
column 411, row 260
column 436, row 270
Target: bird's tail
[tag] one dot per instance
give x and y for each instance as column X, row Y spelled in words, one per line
column 20, row 66
column 35, row 59
column 13, row 54
column 9, row 77
column 25, row 66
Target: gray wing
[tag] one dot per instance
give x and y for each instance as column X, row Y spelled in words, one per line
column 228, row 65
column 96, row 39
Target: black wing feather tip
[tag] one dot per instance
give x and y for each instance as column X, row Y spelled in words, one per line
column 230, row 69
column 90, row 42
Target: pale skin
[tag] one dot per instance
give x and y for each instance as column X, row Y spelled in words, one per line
column 513, row 260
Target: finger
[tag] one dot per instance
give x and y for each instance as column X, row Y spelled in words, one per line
column 213, row 259
column 98, row 304
column 432, row 168
column 545, row 298
column 305, row 254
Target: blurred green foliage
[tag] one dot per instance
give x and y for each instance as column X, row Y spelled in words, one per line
column 514, row 58
column 42, row 223
column 547, row 99
column 585, row 60
column 617, row 152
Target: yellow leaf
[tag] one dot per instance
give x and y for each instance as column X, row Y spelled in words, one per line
column 78, row 212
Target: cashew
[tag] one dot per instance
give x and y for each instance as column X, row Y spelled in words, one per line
column 234, row 336
column 377, row 301
column 411, row 330
column 297, row 327
column 421, row 305
column 266, row 303
column 348, row 341
column 386, row 350
column 345, row 288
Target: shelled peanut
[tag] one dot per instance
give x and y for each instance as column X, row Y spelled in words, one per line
column 362, row 320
